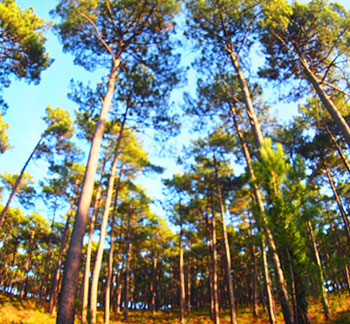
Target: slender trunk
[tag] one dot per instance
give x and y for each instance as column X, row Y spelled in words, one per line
column 340, row 152
column 337, row 198
column 66, row 310
column 283, row 294
column 99, row 255
column 56, row 277
column 111, row 253
column 154, row 281
column 215, row 269
column 292, row 286
column 270, row 301
column 118, row 292
column 27, row 265
column 327, row 101
column 227, row 249
column 255, row 273
column 17, row 182
column 209, row 242
column 86, row 278
column 189, row 284
column 322, row 292
column 127, row 268
column 182, row 278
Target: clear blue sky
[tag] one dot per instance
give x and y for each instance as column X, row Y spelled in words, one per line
column 27, row 104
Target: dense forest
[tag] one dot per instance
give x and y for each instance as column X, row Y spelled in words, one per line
column 258, row 217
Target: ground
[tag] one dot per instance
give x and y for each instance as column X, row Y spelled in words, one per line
column 28, row 311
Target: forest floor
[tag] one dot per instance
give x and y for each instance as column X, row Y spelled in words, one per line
column 28, row 311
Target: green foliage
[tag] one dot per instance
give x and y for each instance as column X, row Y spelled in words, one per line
column 26, row 192
column 22, row 44
column 3, row 137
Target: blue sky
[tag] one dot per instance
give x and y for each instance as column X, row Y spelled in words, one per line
column 27, row 105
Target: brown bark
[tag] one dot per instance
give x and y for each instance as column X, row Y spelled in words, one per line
column 209, row 243
column 215, row 269
column 98, row 261
column 111, row 255
column 66, row 310
column 327, row 101
column 56, row 277
column 86, row 278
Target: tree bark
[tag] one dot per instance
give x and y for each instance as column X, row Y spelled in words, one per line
column 56, row 277
column 227, row 249
column 215, row 268
column 182, row 278
column 98, row 261
column 322, row 292
column 111, row 253
column 127, row 268
column 86, row 278
column 66, row 310
column 283, row 294
column 337, row 198
column 327, row 101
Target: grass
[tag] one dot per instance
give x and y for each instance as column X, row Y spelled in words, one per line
column 26, row 311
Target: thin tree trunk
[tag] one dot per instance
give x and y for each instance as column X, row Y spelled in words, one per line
column 17, row 182
column 127, row 268
column 111, row 252
column 341, row 154
column 227, row 249
column 337, row 198
column 27, row 265
column 283, row 294
column 56, row 277
column 98, row 262
column 322, row 292
column 215, row 268
column 66, row 310
column 209, row 241
column 182, row 278
column 270, row 301
column 86, row 278
column 327, row 102
column 154, row 281
column 255, row 273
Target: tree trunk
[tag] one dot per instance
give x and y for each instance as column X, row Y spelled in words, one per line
column 215, row 318
column 154, row 281
column 86, row 278
column 27, row 265
column 182, row 278
column 56, row 277
column 270, row 301
column 283, row 294
column 227, row 249
column 66, row 310
column 215, row 269
column 337, row 198
column 255, row 273
column 327, row 102
column 111, row 252
column 98, row 262
column 17, row 182
column 322, row 292
column 127, row 268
